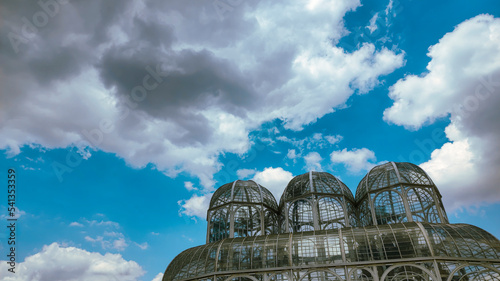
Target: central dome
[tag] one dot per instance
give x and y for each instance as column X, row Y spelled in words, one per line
column 316, row 201
column 315, row 182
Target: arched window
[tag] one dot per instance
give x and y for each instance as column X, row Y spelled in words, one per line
column 300, row 216
column 476, row 272
column 361, row 275
column 320, row 276
column 422, row 206
column 219, row 225
column 389, row 208
column 408, row 273
column 331, row 213
column 247, row 222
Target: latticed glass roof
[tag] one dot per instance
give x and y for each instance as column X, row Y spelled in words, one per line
column 389, row 174
column 243, row 192
column 337, row 247
column 315, row 182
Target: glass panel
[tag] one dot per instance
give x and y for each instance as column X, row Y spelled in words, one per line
column 219, row 225
column 331, row 213
column 411, row 173
column 422, row 205
column 247, row 222
column 389, row 208
column 300, row 216
column 299, row 185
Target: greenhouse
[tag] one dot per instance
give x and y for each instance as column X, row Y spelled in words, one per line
column 394, row 229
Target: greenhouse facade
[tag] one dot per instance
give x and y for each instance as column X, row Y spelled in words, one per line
column 395, row 228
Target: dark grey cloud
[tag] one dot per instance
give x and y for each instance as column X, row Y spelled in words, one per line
column 225, row 68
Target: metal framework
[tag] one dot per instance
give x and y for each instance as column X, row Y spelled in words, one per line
column 398, row 192
column 316, row 201
column 241, row 209
column 395, row 230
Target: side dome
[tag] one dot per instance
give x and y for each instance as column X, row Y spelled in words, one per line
column 241, row 209
column 316, row 201
column 397, row 192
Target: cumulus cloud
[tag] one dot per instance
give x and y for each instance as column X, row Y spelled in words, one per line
column 148, row 92
column 55, row 262
column 463, row 82
column 274, row 179
column 313, row 161
column 158, row 277
column 189, row 186
column 196, row 206
column 355, row 160
column 151, row 85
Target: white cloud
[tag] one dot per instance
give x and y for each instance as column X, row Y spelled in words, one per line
column 373, row 23
column 292, row 154
column 355, row 160
column 389, row 7
column 460, row 64
column 76, row 224
column 110, row 240
column 69, row 263
column 462, row 82
column 158, row 277
column 317, row 140
column 189, row 186
column 452, row 168
column 196, row 206
column 143, row 246
column 333, row 139
column 245, row 173
column 274, row 179
column 120, row 244
column 184, row 126
column 102, row 223
column 313, row 161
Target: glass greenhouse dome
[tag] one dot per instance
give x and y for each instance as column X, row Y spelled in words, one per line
column 395, row 229
column 315, row 201
column 240, row 209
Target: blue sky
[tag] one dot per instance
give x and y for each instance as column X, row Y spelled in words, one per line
column 122, row 117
